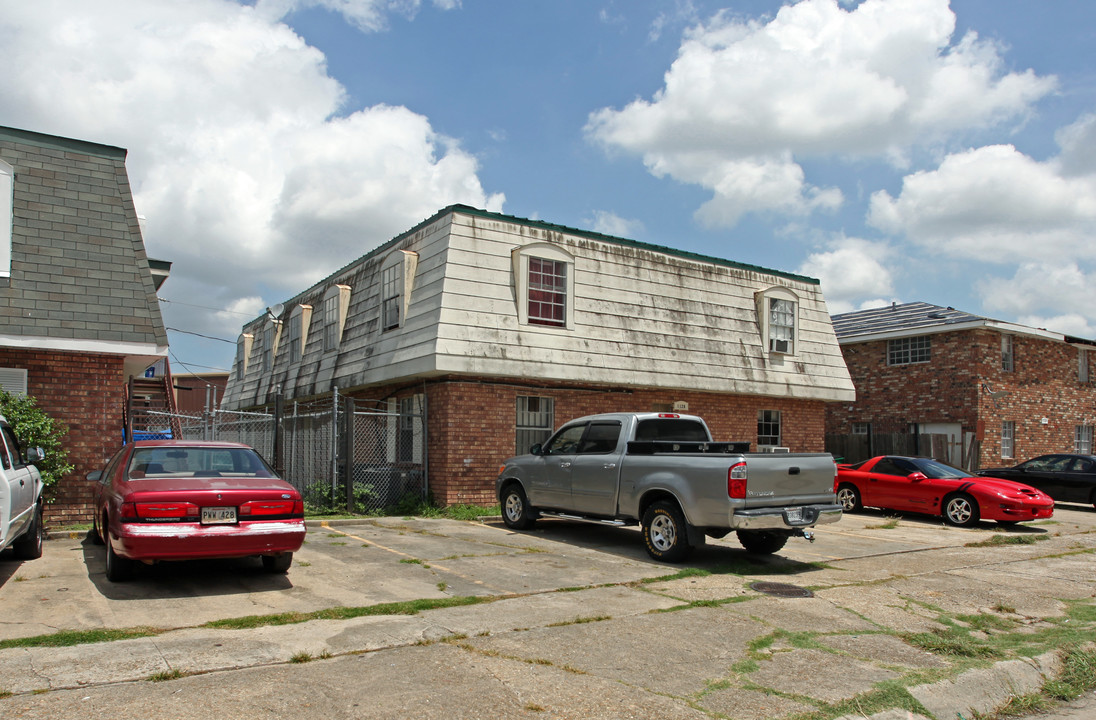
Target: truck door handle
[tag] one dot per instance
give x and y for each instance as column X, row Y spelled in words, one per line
column 609, row 466
column 565, row 464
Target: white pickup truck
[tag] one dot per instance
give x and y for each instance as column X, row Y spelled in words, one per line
column 664, row 472
column 21, row 500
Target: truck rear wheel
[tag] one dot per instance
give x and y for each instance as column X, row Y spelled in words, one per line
column 761, row 542
column 516, row 512
column 665, row 533
column 29, row 547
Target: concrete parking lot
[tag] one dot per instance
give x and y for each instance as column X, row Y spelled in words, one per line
column 567, row 620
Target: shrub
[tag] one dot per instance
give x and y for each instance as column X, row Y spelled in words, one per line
column 35, row 428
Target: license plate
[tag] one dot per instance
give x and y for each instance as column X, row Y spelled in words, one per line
column 218, row 516
column 794, row 514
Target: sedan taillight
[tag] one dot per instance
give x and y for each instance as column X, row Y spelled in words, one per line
column 161, row 510
column 257, row 508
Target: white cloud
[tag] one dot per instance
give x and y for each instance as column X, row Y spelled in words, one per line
column 368, row 15
column 608, row 223
column 850, row 268
column 253, row 175
column 1037, row 293
column 744, row 102
column 993, row 204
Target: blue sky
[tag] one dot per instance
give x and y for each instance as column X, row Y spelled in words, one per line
column 899, row 150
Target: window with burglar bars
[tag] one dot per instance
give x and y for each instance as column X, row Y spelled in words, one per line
column 547, row 292
column 1008, row 439
column 1082, row 439
column 390, row 297
column 768, row 427
column 535, row 420
column 906, row 351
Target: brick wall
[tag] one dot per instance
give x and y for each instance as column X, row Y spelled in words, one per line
column 85, row 392
column 954, row 388
column 472, row 424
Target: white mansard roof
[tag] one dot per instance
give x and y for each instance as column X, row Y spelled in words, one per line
column 639, row 316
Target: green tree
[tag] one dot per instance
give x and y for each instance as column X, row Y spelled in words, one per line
column 35, row 428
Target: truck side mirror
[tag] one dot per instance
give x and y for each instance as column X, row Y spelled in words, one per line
column 94, row 475
column 35, row 455
column 535, row 450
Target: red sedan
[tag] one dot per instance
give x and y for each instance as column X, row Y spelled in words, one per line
column 923, row 485
column 183, row 500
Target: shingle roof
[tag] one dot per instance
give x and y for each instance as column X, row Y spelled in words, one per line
column 898, row 318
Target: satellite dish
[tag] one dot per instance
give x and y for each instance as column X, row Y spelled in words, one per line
column 274, row 311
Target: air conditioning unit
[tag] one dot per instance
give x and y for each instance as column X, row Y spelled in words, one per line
column 772, row 449
column 780, row 346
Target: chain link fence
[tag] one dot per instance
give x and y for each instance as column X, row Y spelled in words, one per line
column 341, row 458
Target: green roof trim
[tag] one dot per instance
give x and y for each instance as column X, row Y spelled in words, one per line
column 55, row 142
column 467, row 210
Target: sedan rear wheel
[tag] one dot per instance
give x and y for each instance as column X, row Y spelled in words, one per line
column 119, row 569
column 849, row 497
column 961, row 510
column 278, row 564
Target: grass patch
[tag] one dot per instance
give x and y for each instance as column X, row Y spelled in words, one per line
column 173, row 674
column 581, row 621
column 997, row 540
column 301, row 657
column 888, row 524
column 1078, row 675
column 951, row 642
column 68, row 638
column 411, row 607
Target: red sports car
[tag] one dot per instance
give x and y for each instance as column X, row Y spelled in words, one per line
column 923, row 485
column 183, row 500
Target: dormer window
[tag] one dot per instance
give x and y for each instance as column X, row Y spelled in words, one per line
column 778, row 316
column 544, row 281
column 335, row 303
column 397, row 279
column 243, row 352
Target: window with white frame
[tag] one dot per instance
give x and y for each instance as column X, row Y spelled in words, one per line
column 243, row 350
column 907, row 351
column 293, row 345
column 397, row 279
column 1082, row 439
column 547, row 292
column 7, row 200
column 544, row 282
column 1082, row 365
column 778, row 319
column 1008, row 439
column 768, row 427
column 1007, row 359
column 335, row 304
column 14, row 381
column 268, row 347
column 535, row 420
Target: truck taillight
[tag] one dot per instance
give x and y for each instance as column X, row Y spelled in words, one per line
column 736, row 480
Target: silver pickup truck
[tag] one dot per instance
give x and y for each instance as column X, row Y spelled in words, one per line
column 664, row 472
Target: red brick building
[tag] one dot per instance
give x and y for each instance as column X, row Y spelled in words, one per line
column 1001, row 392
column 78, row 308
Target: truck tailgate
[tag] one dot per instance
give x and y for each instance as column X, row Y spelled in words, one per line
column 788, row 478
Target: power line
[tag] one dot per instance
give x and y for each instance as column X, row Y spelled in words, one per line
column 205, row 307
column 207, row 337
column 188, row 366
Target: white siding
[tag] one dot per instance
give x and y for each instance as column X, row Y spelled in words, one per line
column 642, row 318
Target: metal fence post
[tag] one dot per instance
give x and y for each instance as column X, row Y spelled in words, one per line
column 347, row 451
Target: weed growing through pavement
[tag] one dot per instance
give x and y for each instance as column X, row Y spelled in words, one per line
column 173, row 674
column 889, row 524
column 1007, row 540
